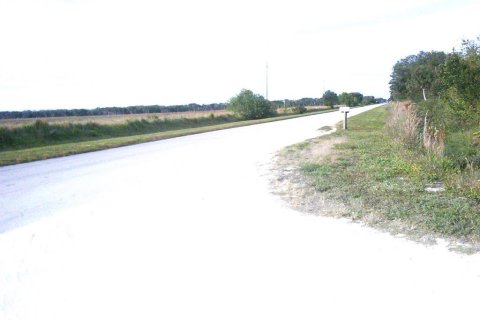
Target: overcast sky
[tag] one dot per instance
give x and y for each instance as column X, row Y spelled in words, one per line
column 98, row 53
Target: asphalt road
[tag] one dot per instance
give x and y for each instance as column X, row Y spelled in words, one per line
column 187, row 228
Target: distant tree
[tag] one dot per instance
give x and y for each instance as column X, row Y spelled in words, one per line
column 357, row 98
column 351, row 99
column 305, row 102
column 330, row 98
column 299, row 109
column 368, row 100
column 251, row 106
column 346, row 99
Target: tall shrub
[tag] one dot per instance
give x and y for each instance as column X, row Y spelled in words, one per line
column 248, row 105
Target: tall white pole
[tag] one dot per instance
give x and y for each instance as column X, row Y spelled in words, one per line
column 266, row 80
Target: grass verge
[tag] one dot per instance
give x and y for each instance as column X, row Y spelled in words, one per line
column 383, row 182
column 16, row 156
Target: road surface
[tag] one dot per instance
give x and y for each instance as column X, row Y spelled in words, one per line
column 187, row 228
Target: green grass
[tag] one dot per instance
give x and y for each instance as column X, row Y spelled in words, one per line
column 41, row 133
column 376, row 176
column 38, row 142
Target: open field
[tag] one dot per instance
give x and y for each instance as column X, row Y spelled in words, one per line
column 123, row 118
column 112, row 119
column 131, row 135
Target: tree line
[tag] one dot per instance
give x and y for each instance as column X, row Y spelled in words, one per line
column 304, row 102
column 329, row 98
column 351, row 99
column 110, row 111
column 248, row 105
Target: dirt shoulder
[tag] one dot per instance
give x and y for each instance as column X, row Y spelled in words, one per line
column 292, row 185
column 303, row 192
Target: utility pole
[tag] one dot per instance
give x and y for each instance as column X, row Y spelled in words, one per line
column 266, row 80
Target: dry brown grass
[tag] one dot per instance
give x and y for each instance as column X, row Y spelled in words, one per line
column 112, row 119
column 404, row 122
column 433, row 138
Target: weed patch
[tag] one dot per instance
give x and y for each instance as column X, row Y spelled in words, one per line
column 382, row 180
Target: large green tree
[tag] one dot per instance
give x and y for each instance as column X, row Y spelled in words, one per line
column 417, row 77
column 449, row 82
column 248, row 105
column 346, row 99
column 351, row 99
column 330, row 98
column 357, row 98
column 461, row 80
column 368, row 100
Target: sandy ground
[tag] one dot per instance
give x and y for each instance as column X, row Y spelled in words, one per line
column 188, row 228
column 290, row 183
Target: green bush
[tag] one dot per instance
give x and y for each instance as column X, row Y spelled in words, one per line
column 299, row 109
column 248, row 105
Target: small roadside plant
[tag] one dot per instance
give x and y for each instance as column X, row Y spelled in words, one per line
column 299, row 109
column 248, row 105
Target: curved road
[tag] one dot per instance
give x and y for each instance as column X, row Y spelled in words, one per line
column 186, row 228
